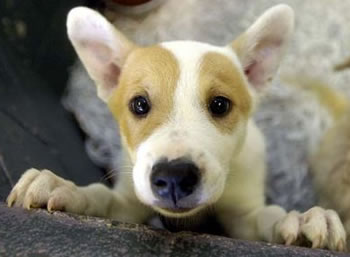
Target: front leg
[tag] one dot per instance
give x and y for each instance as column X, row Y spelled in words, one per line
column 37, row 189
column 322, row 228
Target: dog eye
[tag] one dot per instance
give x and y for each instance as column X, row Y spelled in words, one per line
column 140, row 106
column 219, row 106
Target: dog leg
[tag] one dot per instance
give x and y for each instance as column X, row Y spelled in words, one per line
column 321, row 227
column 37, row 189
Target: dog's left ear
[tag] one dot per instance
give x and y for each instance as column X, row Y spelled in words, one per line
column 261, row 48
column 101, row 48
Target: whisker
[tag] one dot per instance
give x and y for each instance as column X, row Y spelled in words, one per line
column 108, row 175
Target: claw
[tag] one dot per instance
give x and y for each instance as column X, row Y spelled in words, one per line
column 317, row 242
column 290, row 240
column 28, row 202
column 27, row 206
column 50, row 207
column 11, row 199
column 341, row 246
column 54, row 205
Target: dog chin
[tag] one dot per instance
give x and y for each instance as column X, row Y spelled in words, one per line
column 178, row 212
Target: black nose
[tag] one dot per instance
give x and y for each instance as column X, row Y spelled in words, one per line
column 175, row 179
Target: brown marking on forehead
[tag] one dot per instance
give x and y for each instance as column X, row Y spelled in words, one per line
column 220, row 77
column 152, row 72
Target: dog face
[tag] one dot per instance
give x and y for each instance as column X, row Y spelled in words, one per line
column 182, row 106
column 182, row 115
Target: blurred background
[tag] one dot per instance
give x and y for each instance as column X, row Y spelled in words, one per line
column 35, row 60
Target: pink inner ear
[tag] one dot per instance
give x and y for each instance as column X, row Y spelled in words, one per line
column 256, row 74
column 99, row 58
column 99, row 51
column 111, row 76
column 248, row 69
column 263, row 64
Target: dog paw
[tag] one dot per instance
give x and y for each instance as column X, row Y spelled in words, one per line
column 38, row 189
column 322, row 228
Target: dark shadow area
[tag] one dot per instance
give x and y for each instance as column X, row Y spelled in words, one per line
column 35, row 130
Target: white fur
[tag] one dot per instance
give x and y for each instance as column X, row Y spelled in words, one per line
column 100, row 47
column 233, row 175
column 191, row 125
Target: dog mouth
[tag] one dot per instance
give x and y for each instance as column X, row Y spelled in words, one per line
column 176, row 210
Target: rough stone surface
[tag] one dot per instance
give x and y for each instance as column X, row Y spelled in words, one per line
column 40, row 234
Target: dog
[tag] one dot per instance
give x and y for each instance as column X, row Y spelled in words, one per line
column 330, row 168
column 190, row 144
column 330, row 158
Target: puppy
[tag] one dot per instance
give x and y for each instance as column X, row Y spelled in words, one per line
column 330, row 165
column 330, row 159
column 184, row 110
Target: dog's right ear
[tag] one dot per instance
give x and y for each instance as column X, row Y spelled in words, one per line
column 101, row 48
column 261, row 48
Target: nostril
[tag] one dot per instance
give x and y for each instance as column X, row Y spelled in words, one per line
column 160, row 183
column 188, row 183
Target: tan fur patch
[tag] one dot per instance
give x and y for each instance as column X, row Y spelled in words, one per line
column 334, row 101
column 239, row 46
column 219, row 77
column 152, row 72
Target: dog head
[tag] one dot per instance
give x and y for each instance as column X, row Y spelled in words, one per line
column 182, row 106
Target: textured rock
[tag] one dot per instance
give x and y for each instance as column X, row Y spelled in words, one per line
column 38, row 233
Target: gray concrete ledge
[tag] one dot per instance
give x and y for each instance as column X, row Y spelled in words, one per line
column 40, row 234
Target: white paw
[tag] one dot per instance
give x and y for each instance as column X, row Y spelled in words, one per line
column 37, row 189
column 322, row 228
